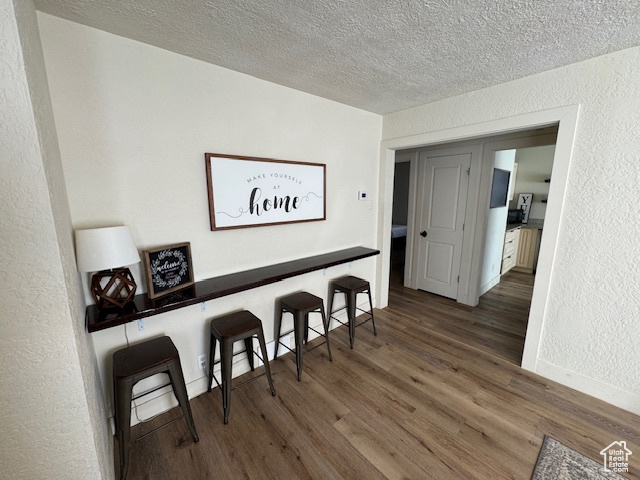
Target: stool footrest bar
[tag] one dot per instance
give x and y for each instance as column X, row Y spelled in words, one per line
column 158, row 428
column 263, row 374
column 147, row 392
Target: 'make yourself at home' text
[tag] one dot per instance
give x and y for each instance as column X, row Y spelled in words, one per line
column 258, row 206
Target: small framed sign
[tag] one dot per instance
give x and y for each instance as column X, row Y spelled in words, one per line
column 254, row 192
column 524, row 204
column 168, row 269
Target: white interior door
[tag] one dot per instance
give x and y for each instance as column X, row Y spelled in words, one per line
column 445, row 181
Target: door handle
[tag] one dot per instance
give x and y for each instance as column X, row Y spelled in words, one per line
column 423, row 233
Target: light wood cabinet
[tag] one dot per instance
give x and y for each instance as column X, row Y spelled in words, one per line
column 510, row 250
column 527, row 249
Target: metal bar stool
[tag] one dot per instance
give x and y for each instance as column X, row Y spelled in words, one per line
column 229, row 329
column 351, row 287
column 300, row 305
column 135, row 363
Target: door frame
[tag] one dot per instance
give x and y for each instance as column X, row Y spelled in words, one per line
column 566, row 118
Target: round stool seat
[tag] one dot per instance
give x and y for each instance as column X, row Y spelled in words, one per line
column 350, row 283
column 140, row 359
column 235, row 324
column 301, row 301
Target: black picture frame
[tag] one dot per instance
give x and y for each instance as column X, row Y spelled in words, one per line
column 168, row 269
column 499, row 188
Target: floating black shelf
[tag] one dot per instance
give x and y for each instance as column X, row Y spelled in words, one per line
column 142, row 306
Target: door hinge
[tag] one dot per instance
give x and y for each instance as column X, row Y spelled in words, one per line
column 469, row 171
column 463, row 227
column 458, row 278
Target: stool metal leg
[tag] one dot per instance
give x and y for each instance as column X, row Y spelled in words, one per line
column 332, row 292
column 123, row 394
column 299, row 333
column 227, row 362
column 180, row 391
column 212, row 358
column 351, row 313
column 278, row 329
column 263, row 349
column 373, row 321
column 248, row 345
column 325, row 324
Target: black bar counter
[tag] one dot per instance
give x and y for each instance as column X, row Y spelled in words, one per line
column 142, row 306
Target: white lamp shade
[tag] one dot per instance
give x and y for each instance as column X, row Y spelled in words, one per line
column 104, row 248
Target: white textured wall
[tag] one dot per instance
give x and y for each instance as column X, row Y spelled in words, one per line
column 134, row 122
column 534, row 166
column 53, row 424
column 591, row 333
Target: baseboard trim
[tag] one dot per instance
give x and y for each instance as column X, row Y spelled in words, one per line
column 626, row 400
column 489, row 285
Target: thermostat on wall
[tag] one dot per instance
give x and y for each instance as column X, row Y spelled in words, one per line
column 363, row 195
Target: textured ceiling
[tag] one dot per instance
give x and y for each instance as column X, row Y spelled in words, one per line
column 377, row 55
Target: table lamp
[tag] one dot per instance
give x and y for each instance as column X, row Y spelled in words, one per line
column 107, row 251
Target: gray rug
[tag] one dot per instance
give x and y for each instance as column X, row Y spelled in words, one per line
column 558, row 462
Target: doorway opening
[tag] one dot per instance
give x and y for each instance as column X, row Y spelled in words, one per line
column 399, row 219
column 566, row 120
column 498, row 323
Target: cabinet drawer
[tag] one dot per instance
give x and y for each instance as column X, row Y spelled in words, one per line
column 509, row 249
column 508, row 263
column 511, row 235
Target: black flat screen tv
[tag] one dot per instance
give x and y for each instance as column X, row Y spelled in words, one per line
column 499, row 188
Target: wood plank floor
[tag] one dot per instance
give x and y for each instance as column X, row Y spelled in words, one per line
column 414, row 402
column 497, row 325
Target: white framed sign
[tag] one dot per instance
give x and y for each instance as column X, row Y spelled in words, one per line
column 524, row 204
column 254, row 192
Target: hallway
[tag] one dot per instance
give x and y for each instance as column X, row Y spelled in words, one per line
column 497, row 325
